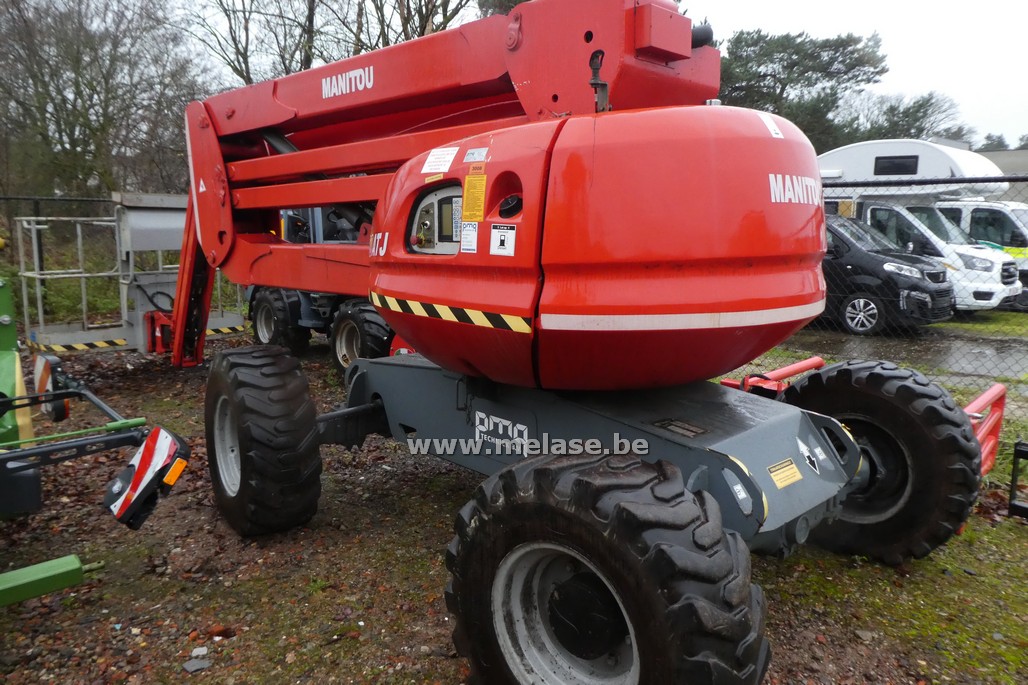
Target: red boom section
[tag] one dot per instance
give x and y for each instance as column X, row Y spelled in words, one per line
column 608, row 251
column 335, row 134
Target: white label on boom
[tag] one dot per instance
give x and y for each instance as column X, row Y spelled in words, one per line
column 348, row 82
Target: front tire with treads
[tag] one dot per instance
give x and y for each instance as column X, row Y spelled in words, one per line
column 925, row 462
column 262, row 440
column 601, row 570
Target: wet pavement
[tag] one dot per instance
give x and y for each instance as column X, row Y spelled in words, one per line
column 1004, row 359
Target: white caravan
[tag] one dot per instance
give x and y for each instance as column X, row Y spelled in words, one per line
column 874, row 173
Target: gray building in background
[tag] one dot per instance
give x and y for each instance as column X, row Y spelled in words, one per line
column 1013, row 163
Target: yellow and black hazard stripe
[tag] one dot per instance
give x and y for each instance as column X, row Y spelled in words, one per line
column 79, row 347
column 475, row 317
column 113, row 344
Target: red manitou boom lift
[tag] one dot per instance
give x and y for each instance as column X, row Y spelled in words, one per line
column 549, row 207
column 335, row 135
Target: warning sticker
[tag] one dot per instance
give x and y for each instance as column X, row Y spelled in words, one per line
column 808, row 456
column 473, row 202
column 784, row 473
column 469, row 236
column 476, row 154
column 501, row 240
column 433, row 178
column 439, row 160
column 680, row 427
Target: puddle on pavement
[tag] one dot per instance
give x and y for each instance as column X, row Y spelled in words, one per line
column 925, row 349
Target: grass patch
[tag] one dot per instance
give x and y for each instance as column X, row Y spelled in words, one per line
column 992, row 323
column 182, row 414
column 961, row 608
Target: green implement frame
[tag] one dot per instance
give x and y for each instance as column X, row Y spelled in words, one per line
column 40, row 579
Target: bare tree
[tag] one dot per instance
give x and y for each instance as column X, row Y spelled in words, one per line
column 94, row 91
column 262, row 39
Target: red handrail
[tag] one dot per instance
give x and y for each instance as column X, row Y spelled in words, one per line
column 984, row 411
column 986, row 414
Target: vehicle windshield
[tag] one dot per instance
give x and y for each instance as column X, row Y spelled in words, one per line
column 941, row 226
column 1022, row 216
column 862, row 235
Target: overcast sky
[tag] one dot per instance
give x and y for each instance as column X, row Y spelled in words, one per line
column 974, row 52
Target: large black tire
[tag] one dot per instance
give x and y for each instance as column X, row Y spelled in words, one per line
column 925, row 460
column 274, row 312
column 597, row 570
column 358, row 331
column 262, row 440
column 862, row 314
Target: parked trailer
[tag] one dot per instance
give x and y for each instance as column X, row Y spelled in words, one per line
column 572, row 252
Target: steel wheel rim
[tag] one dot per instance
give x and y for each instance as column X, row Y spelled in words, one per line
column 523, row 589
column 264, row 324
column 861, row 314
column 226, row 448
column 892, row 466
column 348, row 342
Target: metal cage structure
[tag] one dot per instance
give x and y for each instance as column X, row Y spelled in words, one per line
column 86, row 265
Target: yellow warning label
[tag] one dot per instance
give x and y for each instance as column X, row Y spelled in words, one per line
column 474, row 198
column 784, row 473
column 433, row 178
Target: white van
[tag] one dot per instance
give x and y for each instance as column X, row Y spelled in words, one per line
column 992, row 221
column 983, row 277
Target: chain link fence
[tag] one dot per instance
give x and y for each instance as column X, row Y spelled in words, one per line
column 931, row 275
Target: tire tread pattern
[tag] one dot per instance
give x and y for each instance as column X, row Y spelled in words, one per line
column 938, row 422
column 376, row 336
column 277, row 435
column 714, row 614
column 284, row 305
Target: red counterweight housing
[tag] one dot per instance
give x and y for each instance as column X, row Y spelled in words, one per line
column 617, row 250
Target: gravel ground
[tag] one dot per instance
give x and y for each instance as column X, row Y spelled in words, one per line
column 356, row 596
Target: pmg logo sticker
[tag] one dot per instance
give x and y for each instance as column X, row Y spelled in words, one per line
column 500, row 431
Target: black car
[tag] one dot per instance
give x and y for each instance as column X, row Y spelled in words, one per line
column 872, row 283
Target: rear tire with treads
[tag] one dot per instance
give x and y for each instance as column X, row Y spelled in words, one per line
column 358, row 332
column 273, row 312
